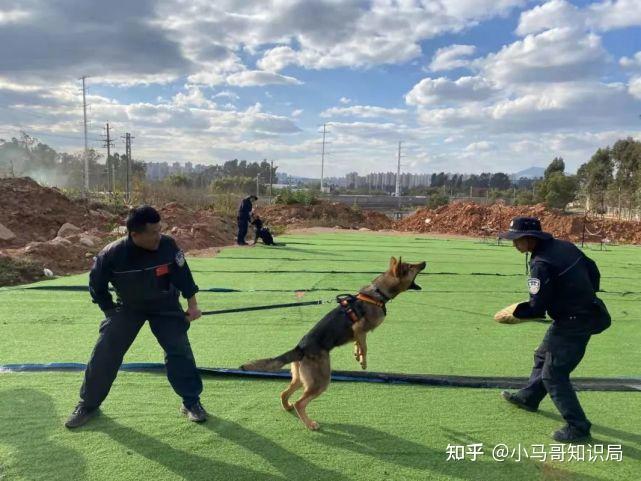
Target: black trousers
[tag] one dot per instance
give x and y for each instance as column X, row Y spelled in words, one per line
column 557, row 356
column 118, row 332
column 243, row 225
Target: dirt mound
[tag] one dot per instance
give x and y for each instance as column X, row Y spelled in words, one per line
column 46, row 229
column 466, row 218
column 35, row 213
column 197, row 229
column 323, row 214
column 192, row 229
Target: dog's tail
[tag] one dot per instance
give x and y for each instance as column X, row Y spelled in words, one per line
column 273, row 363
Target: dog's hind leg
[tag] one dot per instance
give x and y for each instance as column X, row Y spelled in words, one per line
column 291, row 389
column 315, row 375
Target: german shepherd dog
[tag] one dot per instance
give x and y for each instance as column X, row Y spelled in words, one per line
column 351, row 320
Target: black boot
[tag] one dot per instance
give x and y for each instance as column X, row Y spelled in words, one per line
column 196, row 412
column 80, row 415
column 571, row 434
column 517, row 401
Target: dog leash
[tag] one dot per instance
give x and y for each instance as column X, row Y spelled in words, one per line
column 260, row 308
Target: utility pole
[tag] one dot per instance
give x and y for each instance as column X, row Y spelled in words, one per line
column 323, row 159
column 257, row 185
column 111, row 178
column 128, row 138
column 271, row 172
column 84, row 112
column 398, row 172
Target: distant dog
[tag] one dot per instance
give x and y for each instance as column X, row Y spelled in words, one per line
column 351, row 320
column 262, row 232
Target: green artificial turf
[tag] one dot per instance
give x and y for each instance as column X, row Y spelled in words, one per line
column 446, row 328
column 368, row 431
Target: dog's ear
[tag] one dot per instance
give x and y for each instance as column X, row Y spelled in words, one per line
column 392, row 264
column 398, row 268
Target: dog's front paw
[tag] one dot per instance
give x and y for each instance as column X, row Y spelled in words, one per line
column 363, row 364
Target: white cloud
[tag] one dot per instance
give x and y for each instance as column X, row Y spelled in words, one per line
column 542, row 108
column 454, row 56
column 525, row 146
column 351, row 135
column 635, row 87
column 481, row 146
column 442, row 90
column 316, row 35
column 631, row 63
column 452, row 138
column 250, row 78
column 13, row 16
column 272, row 124
column 227, row 93
column 192, row 98
column 345, row 100
column 598, row 16
column 356, row 52
column 278, row 58
column 362, row 111
column 297, row 112
column 613, row 14
column 556, row 55
column 553, row 14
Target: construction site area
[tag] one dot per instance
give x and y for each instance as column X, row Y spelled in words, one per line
column 44, row 230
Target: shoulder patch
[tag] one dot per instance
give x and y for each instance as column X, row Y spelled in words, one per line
column 534, row 285
column 180, row 258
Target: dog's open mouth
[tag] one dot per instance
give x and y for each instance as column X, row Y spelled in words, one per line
column 414, row 286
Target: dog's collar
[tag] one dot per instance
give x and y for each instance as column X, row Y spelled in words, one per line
column 366, row 298
column 382, row 294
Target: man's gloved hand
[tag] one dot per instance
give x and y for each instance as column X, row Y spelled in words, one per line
column 506, row 315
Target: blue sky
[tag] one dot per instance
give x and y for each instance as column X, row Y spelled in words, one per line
column 466, row 85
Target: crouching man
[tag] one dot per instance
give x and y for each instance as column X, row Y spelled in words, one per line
column 563, row 282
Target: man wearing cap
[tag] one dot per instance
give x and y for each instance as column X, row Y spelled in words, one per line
column 563, row 282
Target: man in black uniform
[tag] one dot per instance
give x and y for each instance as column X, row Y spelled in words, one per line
column 244, row 211
column 563, row 282
column 148, row 272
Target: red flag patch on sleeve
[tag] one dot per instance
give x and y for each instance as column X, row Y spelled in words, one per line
column 162, row 270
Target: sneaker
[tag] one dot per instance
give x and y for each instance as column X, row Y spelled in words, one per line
column 196, row 412
column 517, row 401
column 571, row 434
column 80, row 415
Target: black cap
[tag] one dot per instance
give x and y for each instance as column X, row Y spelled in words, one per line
column 525, row 227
